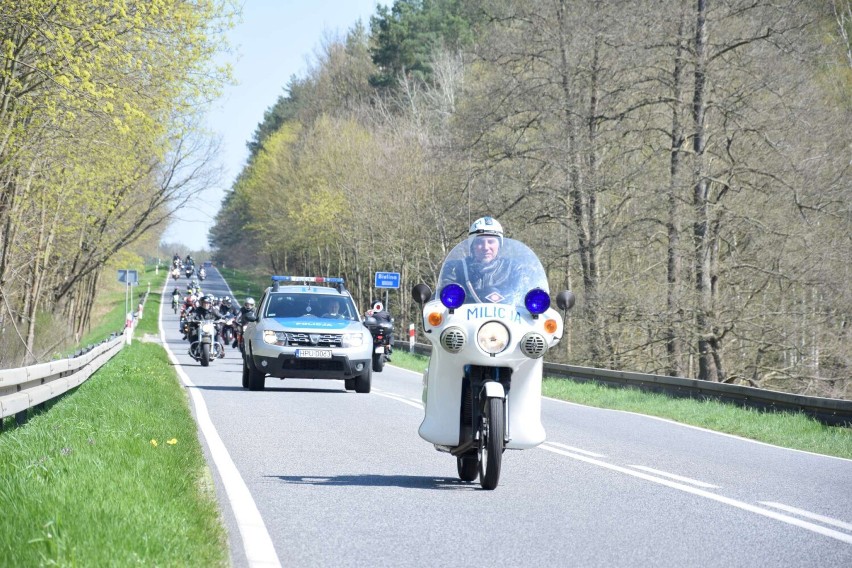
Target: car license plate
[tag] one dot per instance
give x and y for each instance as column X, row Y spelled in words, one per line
column 380, row 349
column 313, row 353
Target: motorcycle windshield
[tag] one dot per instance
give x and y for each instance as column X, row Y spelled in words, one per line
column 493, row 272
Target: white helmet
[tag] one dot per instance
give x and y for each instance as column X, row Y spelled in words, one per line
column 486, row 226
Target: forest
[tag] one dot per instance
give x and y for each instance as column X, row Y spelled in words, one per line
column 100, row 144
column 682, row 165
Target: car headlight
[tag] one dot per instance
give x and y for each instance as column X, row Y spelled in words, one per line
column 270, row 337
column 353, row 339
column 493, row 337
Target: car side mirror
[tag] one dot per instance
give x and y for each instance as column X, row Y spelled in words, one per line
column 421, row 293
column 565, row 300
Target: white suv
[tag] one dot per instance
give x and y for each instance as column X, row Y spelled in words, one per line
column 306, row 329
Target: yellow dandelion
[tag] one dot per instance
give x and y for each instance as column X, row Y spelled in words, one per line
column 154, row 443
column 172, row 442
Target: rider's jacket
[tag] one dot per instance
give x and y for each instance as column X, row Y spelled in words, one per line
column 205, row 314
column 241, row 314
column 382, row 316
column 486, row 283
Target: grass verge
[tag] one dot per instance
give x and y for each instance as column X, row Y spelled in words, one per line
column 788, row 430
column 113, row 473
column 244, row 283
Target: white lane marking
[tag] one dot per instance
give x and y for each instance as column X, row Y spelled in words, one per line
column 707, row 495
column 676, row 477
column 405, row 400
column 808, row 514
column 256, row 540
column 578, row 450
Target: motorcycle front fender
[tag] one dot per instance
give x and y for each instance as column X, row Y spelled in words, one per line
column 493, row 389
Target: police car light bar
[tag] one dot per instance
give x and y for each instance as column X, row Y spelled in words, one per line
column 318, row 279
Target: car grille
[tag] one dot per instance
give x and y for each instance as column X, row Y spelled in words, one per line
column 323, row 339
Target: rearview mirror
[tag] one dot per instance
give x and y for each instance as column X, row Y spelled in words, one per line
column 421, row 293
column 565, row 300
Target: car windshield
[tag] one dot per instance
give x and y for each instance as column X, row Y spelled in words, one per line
column 502, row 275
column 302, row 304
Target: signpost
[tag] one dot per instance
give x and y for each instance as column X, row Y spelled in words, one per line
column 387, row 280
column 130, row 278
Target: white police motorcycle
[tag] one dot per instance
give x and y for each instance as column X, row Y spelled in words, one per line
column 482, row 389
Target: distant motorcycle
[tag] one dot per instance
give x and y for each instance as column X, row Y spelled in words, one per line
column 204, row 337
column 202, row 274
column 229, row 329
column 382, row 333
column 188, row 272
column 175, row 302
column 175, row 273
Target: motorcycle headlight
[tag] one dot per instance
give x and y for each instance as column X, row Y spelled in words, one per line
column 208, row 328
column 493, row 337
column 353, row 339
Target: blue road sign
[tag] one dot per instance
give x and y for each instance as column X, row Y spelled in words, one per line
column 387, row 279
column 128, row 276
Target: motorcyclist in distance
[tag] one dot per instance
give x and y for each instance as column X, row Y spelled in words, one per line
column 247, row 307
column 207, row 311
column 378, row 311
column 382, row 316
column 484, row 275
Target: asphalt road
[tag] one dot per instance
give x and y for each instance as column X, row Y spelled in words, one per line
column 309, row 474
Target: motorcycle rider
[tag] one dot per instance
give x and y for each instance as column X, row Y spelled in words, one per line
column 207, row 311
column 382, row 316
column 484, row 275
column 248, row 306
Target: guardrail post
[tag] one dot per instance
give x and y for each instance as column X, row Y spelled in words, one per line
column 411, row 338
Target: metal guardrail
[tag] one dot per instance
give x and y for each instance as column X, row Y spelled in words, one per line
column 830, row 411
column 26, row 387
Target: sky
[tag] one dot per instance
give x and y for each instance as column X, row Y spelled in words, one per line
column 275, row 40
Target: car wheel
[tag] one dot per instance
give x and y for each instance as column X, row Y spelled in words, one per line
column 245, row 374
column 256, row 378
column 362, row 381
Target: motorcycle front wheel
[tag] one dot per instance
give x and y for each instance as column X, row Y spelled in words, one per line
column 491, row 444
column 468, row 467
column 205, row 354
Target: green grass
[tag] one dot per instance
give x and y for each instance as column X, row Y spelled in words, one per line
column 244, row 283
column 84, row 483
column 789, row 430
